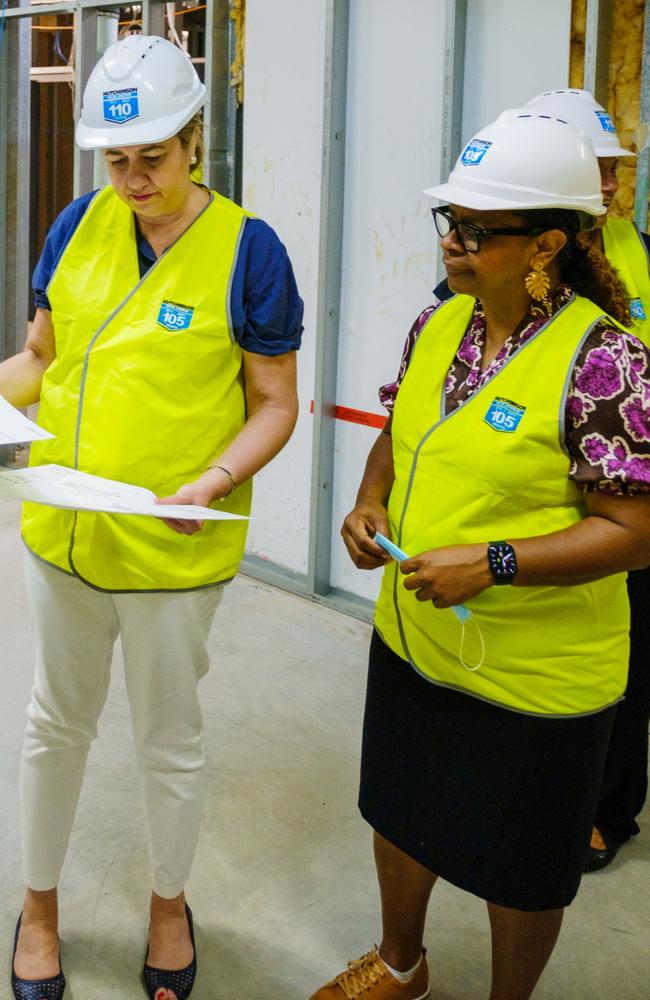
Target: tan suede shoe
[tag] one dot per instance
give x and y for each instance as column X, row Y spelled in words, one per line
column 370, row 979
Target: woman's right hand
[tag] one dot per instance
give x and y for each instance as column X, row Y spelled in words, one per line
column 359, row 530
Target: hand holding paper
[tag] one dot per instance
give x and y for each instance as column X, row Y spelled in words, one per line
column 57, row 486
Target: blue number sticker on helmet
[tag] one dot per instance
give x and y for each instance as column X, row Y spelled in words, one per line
column 605, row 121
column 474, row 152
column 174, row 316
column 121, row 105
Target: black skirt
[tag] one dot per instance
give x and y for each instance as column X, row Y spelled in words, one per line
column 496, row 802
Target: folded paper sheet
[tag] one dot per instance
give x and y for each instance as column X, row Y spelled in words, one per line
column 16, row 428
column 56, row 486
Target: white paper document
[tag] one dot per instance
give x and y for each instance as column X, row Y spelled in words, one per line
column 16, row 428
column 56, row 486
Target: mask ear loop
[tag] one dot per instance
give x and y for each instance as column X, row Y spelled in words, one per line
column 462, row 613
column 462, row 644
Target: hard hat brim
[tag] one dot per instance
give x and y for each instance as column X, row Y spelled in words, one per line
column 137, row 133
column 454, row 194
column 605, row 151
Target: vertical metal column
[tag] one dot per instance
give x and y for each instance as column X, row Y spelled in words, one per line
column 14, row 189
column 329, row 293
column 643, row 161
column 597, row 48
column 14, row 181
column 85, row 57
column 452, row 92
column 220, row 113
column 453, row 84
column 107, row 33
column 153, row 17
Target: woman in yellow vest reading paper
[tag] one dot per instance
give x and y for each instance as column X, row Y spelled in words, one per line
column 484, row 738
column 163, row 354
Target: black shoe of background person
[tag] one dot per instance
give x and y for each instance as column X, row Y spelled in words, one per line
column 598, row 857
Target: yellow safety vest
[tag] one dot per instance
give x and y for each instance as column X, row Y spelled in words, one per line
column 626, row 250
column 146, row 388
column 470, row 477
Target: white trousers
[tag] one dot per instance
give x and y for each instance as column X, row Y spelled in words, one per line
column 163, row 639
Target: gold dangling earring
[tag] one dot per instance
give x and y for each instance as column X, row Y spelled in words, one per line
column 537, row 282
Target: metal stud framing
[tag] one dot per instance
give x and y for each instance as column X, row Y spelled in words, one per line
column 85, row 35
column 316, row 583
column 14, row 158
column 643, row 161
column 220, row 113
column 329, row 293
column 153, row 16
column 452, row 92
column 14, row 193
column 598, row 30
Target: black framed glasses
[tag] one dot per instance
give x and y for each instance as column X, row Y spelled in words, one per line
column 469, row 236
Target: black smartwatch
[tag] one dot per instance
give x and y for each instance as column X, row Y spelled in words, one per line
column 502, row 561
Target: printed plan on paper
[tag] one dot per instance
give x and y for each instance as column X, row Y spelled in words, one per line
column 56, row 486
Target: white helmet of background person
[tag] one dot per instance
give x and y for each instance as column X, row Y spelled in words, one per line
column 524, row 160
column 142, row 90
column 579, row 107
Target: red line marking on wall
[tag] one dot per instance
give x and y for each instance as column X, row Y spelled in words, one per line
column 353, row 416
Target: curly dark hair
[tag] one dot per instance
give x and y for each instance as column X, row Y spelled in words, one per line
column 582, row 265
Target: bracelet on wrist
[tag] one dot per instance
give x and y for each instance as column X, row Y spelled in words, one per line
column 233, row 482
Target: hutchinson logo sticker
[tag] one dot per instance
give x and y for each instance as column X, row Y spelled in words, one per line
column 121, row 105
column 504, row 415
column 636, row 309
column 474, row 152
column 605, row 121
column 174, row 316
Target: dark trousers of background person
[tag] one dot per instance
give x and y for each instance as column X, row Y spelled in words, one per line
column 625, row 779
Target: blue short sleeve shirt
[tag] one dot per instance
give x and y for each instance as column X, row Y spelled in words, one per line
column 265, row 306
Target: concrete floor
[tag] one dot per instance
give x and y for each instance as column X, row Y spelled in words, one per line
column 283, row 887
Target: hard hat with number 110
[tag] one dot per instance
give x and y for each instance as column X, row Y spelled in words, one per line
column 142, row 90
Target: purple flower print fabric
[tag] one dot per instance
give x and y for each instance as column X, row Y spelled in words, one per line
column 607, row 415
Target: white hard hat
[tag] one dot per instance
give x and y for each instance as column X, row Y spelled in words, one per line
column 579, row 107
column 142, row 90
column 522, row 161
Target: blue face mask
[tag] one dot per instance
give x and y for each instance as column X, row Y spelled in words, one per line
column 462, row 613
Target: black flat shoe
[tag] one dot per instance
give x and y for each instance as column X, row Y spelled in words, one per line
column 35, row 989
column 598, row 858
column 181, row 981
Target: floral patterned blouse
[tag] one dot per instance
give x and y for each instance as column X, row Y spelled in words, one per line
column 608, row 403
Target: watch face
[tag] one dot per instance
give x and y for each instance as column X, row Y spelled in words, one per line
column 503, row 562
column 506, row 561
